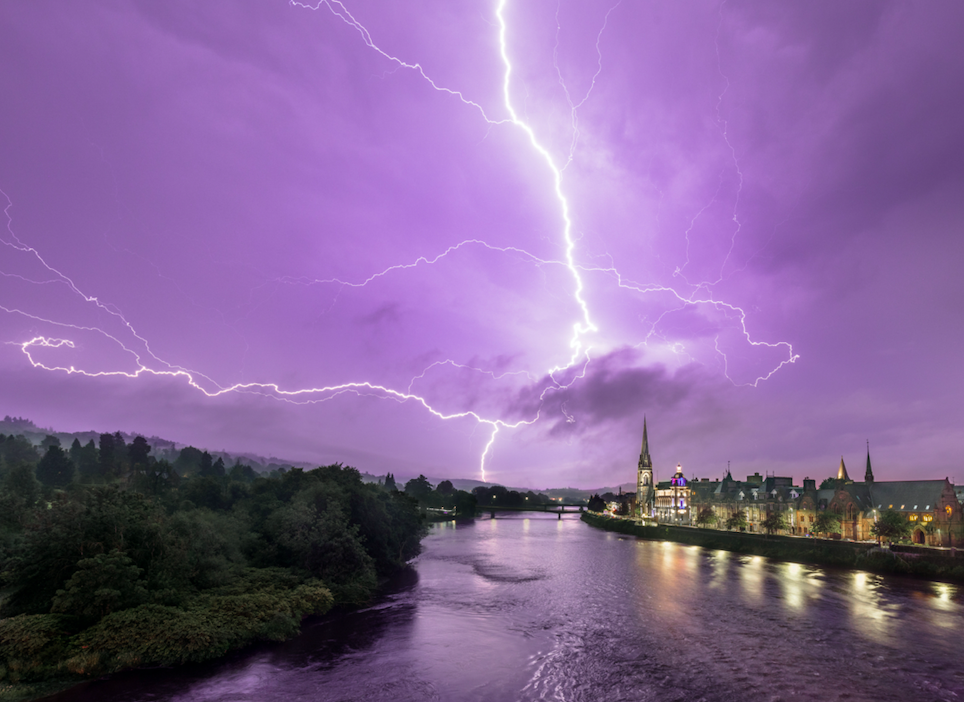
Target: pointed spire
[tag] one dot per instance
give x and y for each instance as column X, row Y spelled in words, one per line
column 644, row 460
column 869, row 474
column 842, row 471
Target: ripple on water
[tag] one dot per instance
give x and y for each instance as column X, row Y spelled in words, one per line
column 515, row 609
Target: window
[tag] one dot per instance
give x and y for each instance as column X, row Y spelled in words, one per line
column 912, row 517
column 949, row 510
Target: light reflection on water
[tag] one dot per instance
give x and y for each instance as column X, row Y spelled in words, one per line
column 531, row 607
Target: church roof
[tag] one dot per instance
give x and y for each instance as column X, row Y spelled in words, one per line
column 907, row 495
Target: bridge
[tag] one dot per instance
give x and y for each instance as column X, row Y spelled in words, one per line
column 559, row 508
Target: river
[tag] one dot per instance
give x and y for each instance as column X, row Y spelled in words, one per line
column 530, row 607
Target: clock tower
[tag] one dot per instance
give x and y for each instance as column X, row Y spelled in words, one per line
column 645, row 490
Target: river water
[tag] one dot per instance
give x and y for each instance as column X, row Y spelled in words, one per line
column 530, row 607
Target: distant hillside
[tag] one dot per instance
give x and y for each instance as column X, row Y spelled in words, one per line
column 167, row 449
column 160, row 448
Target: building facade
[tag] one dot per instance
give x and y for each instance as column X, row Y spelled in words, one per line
column 932, row 507
column 672, row 504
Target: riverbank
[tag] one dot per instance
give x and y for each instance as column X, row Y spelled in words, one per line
column 824, row 552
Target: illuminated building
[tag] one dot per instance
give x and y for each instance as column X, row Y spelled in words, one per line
column 673, row 499
column 930, row 506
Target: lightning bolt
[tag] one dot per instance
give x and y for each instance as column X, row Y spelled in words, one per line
column 147, row 363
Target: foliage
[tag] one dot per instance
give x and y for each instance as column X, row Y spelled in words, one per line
column 891, row 526
column 828, row 484
column 108, row 582
column 498, row 496
column 737, row 520
column 55, row 469
column 32, row 646
column 418, row 487
column 153, row 569
column 827, row 522
column 596, row 504
column 774, row 522
column 706, row 517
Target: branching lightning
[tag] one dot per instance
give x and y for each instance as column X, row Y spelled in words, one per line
column 146, row 363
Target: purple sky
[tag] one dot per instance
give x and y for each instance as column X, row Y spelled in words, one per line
column 262, row 193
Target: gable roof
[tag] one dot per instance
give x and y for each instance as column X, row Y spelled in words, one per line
column 907, row 495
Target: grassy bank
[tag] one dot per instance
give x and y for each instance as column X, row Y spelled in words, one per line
column 824, row 552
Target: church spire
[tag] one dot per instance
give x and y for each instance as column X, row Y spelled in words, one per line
column 644, row 460
column 869, row 475
column 842, row 472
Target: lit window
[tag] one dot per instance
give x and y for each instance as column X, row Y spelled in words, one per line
column 949, row 510
column 927, row 517
column 913, row 517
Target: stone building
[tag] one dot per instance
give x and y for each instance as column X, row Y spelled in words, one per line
column 931, row 507
column 672, row 501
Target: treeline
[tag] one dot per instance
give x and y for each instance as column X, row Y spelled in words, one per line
column 498, row 496
column 110, row 559
column 444, row 496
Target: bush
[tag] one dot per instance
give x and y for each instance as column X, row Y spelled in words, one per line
column 31, row 646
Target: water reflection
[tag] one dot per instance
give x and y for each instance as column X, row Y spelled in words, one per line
column 531, row 607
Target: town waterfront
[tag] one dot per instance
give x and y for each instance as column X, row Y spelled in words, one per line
column 531, row 607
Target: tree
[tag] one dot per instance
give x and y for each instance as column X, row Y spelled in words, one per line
column 106, row 455
column 774, row 521
column 828, row 484
column 55, row 469
column 705, row 517
column 76, row 452
column 736, row 520
column 890, row 525
column 188, row 461
column 121, row 463
column 596, row 504
column 49, row 441
column 16, row 449
column 87, row 461
column 108, row 582
column 20, row 493
column 138, row 450
column 827, row 522
column 465, row 504
column 445, row 487
column 206, row 468
column 242, row 473
column 418, row 487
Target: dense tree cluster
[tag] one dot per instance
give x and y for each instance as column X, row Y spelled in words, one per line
column 498, row 496
column 596, row 504
column 113, row 559
column 443, row 497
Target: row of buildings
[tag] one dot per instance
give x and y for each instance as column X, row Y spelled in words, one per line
column 931, row 506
